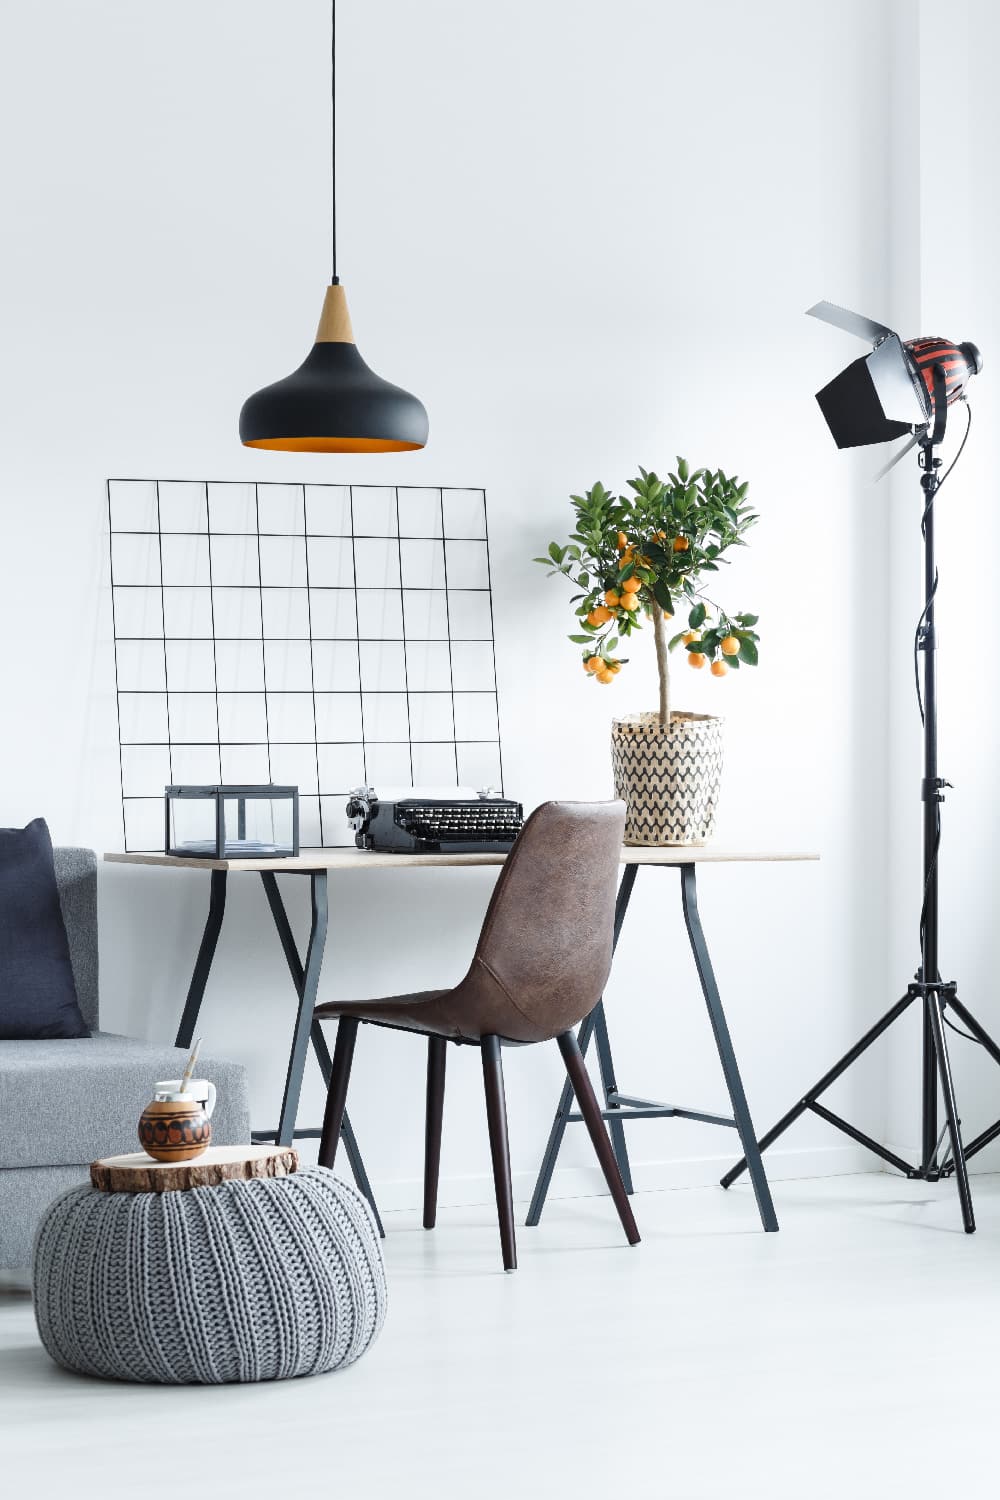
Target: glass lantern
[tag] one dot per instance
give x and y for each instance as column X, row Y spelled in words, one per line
column 231, row 822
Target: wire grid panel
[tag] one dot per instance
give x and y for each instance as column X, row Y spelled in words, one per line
column 324, row 636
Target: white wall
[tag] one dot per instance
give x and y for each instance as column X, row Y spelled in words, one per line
column 586, row 236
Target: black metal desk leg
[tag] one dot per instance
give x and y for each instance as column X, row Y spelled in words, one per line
column 558, row 1130
column 710, row 990
column 203, row 963
column 565, row 1106
column 610, row 1086
column 317, row 1037
column 307, row 1004
column 347, row 1135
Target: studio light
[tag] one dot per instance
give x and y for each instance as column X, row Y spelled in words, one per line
column 333, row 403
column 904, row 388
column 889, row 392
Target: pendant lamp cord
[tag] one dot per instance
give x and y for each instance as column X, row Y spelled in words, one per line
column 333, row 137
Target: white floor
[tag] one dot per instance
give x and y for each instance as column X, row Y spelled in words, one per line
column 856, row 1354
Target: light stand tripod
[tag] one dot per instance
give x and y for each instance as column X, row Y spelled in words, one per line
column 935, row 994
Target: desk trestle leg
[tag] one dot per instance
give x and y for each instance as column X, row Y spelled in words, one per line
column 618, row 1107
column 727, row 1056
column 593, row 1024
column 203, row 963
column 306, row 1027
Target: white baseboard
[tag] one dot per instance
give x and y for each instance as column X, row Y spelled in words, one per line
column 648, row 1177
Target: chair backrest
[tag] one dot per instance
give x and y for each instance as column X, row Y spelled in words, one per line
column 545, row 949
column 76, row 878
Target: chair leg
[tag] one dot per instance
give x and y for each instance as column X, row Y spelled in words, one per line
column 591, row 1111
column 496, row 1116
column 437, row 1052
column 336, row 1098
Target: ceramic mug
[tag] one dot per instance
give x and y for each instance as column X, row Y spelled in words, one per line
column 174, row 1127
column 198, row 1088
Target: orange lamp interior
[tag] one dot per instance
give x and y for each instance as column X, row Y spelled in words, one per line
column 332, row 445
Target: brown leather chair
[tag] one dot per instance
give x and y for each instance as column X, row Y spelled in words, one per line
column 540, row 966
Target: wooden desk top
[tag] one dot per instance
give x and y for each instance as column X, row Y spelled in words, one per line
column 364, row 859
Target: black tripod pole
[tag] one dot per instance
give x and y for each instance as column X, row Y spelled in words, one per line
column 931, row 793
column 935, row 993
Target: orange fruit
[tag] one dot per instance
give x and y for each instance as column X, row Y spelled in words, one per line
column 599, row 615
column 630, row 601
column 628, row 556
column 691, row 635
column 612, row 598
column 632, row 585
column 681, row 544
column 593, row 664
column 730, row 646
column 605, row 676
column 719, row 669
column 615, row 667
column 696, row 659
column 622, row 541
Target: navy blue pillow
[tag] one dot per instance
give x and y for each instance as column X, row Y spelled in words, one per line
column 37, row 992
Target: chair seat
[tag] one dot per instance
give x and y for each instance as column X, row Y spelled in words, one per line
column 65, row 1103
column 430, row 1012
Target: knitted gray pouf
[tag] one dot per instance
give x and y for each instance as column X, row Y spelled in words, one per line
column 257, row 1280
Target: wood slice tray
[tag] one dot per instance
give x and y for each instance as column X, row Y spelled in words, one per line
column 139, row 1173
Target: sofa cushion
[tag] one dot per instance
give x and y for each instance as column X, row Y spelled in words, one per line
column 37, row 990
column 68, row 1102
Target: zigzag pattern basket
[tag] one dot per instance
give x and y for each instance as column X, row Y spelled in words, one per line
column 669, row 782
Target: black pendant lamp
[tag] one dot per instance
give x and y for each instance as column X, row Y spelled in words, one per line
column 333, row 403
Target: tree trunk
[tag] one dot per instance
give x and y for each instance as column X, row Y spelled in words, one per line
column 662, row 664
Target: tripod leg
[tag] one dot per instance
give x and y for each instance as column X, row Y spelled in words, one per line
column 824, row 1083
column 933, row 1003
column 929, row 1097
column 978, row 1031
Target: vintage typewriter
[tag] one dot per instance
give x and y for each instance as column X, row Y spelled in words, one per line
column 413, row 824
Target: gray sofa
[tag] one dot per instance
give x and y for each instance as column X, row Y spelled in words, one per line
column 64, row 1103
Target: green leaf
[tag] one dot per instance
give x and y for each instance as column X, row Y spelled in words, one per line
column 662, row 596
column 682, row 469
column 732, row 661
column 610, row 645
column 675, row 640
column 581, row 640
column 748, row 653
column 748, row 619
column 697, row 616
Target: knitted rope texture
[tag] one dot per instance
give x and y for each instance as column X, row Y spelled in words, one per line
column 258, row 1280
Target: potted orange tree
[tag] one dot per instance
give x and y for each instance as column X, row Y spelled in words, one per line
column 648, row 556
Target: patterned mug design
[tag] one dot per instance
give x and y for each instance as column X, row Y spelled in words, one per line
column 176, row 1129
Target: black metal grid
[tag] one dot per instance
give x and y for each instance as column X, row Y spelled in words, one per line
column 316, row 634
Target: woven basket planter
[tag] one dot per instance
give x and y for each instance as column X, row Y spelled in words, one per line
column 669, row 781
